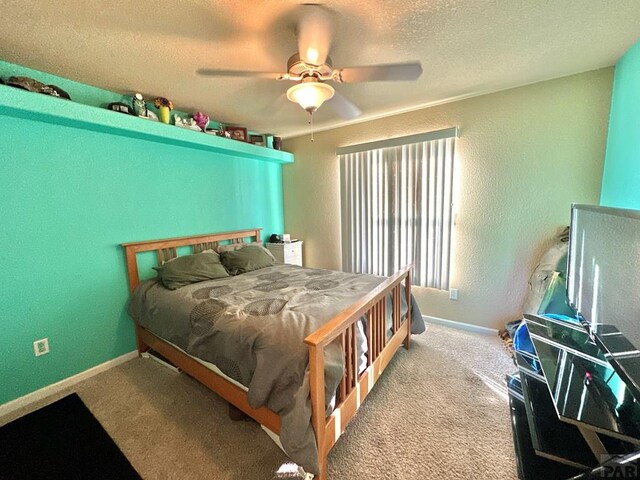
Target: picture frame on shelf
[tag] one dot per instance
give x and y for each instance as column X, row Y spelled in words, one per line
column 257, row 140
column 237, row 133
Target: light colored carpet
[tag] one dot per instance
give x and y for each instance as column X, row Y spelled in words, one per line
column 440, row 411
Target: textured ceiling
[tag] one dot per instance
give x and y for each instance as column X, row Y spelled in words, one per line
column 466, row 47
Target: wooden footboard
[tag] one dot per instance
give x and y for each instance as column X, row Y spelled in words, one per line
column 355, row 387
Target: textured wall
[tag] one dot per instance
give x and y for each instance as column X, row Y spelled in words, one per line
column 621, row 176
column 523, row 156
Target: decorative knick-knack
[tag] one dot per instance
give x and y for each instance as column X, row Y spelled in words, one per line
column 164, row 109
column 202, row 120
column 164, row 114
column 277, row 143
column 189, row 123
column 139, row 105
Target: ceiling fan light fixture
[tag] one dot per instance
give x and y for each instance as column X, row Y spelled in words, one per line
column 310, row 94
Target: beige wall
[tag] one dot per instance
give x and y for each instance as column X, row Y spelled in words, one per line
column 522, row 157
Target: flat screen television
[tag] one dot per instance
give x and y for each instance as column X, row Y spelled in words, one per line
column 603, row 281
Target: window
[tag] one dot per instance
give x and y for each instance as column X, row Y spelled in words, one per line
column 397, row 206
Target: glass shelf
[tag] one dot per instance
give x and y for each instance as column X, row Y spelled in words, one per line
column 514, row 386
column 529, row 465
column 571, row 336
column 528, row 364
column 620, row 352
column 584, row 387
column 550, row 437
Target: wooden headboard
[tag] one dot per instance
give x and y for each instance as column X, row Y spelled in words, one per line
column 167, row 248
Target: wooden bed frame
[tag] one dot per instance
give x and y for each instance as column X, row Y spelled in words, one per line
column 354, row 387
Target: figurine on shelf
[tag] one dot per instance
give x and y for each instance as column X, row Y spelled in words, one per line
column 177, row 121
column 222, row 131
column 139, row 105
column 120, row 107
column 186, row 123
column 164, row 108
column 202, row 120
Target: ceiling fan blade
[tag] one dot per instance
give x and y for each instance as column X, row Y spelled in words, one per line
column 208, row 72
column 344, row 107
column 315, row 30
column 379, row 73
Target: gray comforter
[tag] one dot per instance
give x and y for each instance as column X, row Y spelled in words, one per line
column 252, row 326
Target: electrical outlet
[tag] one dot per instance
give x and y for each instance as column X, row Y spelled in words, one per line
column 453, row 294
column 40, row 347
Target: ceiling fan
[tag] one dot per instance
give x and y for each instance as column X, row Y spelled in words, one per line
column 311, row 68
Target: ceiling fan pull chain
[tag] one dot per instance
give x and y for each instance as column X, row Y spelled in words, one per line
column 311, row 124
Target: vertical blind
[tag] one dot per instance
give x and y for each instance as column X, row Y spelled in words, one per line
column 397, row 206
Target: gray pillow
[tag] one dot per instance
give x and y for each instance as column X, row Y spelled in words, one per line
column 189, row 269
column 233, row 246
column 247, row 259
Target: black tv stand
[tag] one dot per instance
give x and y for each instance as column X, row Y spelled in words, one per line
column 573, row 415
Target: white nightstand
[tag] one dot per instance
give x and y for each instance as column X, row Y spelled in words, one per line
column 287, row 252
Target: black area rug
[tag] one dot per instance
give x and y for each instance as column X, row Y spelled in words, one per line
column 62, row 440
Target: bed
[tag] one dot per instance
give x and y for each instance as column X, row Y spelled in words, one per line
column 296, row 349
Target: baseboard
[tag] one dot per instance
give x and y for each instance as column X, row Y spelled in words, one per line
column 460, row 325
column 12, row 405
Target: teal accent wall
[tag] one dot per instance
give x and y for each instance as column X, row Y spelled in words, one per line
column 621, row 176
column 68, row 198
